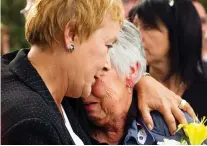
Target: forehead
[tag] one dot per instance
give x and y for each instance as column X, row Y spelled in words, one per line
column 110, row 28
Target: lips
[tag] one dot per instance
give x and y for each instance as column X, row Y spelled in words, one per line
column 90, row 106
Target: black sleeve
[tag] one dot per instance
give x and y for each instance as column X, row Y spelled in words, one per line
column 31, row 131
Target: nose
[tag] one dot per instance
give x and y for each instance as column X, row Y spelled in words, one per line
column 106, row 67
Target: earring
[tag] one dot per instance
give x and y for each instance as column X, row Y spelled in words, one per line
column 129, row 90
column 71, row 48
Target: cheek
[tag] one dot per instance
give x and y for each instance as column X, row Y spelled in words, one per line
column 98, row 47
column 149, row 39
column 164, row 44
column 98, row 55
column 98, row 89
column 159, row 44
column 104, row 90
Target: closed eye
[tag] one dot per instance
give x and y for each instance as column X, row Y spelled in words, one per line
column 109, row 46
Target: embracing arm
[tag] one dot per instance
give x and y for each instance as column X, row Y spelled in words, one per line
column 152, row 95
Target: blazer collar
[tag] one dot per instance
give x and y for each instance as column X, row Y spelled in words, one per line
column 23, row 69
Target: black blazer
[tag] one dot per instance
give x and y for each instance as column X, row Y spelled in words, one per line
column 28, row 112
column 205, row 68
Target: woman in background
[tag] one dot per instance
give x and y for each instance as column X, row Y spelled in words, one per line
column 172, row 40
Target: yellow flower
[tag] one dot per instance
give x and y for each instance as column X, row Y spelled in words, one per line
column 196, row 132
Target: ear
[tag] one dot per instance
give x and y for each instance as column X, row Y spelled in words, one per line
column 68, row 36
column 132, row 76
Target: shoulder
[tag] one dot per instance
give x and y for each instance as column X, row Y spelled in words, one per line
column 28, row 119
column 19, row 102
column 161, row 131
column 31, row 131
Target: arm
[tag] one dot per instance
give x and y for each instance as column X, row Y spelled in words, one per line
column 154, row 96
column 31, row 131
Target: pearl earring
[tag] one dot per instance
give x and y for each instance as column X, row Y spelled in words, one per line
column 71, row 48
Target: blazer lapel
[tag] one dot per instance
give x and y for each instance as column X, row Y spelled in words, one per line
column 24, row 70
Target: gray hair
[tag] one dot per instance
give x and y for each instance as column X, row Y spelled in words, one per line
column 128, row 51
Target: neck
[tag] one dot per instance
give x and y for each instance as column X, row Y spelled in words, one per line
column 110, row 133
column 160, row 71
column 49, row 63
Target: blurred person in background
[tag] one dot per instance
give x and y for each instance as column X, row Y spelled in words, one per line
column 5, row 45
column 128, row 4
column 172, row 40
column 29, row 5
column 132, row 17
column 202, row 14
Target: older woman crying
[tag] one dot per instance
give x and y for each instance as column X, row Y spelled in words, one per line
column 111, row 108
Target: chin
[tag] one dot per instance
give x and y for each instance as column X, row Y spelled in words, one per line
column 98, row 122
column 74, row 93
column 80, row 91
column 86, row 91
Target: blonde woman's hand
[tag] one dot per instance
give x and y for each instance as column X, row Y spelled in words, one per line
column 152, row 95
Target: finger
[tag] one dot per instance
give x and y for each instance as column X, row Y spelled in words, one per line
column 177, row 112
column 179, row 115
column 190, row 111
column 146, row 116
column 170, row 120
column 177, row 99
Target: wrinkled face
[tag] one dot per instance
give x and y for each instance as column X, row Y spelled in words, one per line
column 109, row 99
column 90, row 57
column 155, row 42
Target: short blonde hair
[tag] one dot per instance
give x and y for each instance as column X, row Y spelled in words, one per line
column 49, row 17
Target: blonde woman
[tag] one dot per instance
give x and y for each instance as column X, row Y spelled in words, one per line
column 69, row 41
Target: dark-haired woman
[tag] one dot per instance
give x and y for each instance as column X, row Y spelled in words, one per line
column 172, row 38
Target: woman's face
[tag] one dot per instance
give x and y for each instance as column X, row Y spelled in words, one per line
column 155, row 42
column 90, row 57
column 110, row 99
